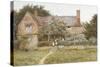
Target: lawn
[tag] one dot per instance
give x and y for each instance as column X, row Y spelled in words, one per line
column 72, row 55
column 29, row 57
column 59, row 56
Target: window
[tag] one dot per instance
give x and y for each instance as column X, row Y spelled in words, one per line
column 29, row 27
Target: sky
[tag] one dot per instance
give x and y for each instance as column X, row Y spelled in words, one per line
column 60, row 9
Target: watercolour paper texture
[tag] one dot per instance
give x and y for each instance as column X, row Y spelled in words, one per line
column 52, row 33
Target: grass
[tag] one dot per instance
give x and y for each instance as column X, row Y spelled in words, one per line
column 29, row 57
column 72, row 55
column 62, row 55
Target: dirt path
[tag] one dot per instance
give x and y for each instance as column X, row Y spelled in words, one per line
column 44, row 58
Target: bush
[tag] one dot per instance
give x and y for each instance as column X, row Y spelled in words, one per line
column 44, row 43
column 21, row 42
column 78, row 41
column 16, row 44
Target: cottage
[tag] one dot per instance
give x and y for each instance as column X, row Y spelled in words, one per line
column 30, row 25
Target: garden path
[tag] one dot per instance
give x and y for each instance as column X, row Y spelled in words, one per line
column 52, row 50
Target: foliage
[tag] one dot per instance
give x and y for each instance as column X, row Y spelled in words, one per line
column 91, row 28
column 78, row 39
column 44, row 43
column 53, row 30
column 21, row 41
column 40, row 10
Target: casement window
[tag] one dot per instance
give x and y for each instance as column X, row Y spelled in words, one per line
column 29, row 27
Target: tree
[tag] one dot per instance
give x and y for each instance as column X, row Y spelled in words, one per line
column 40, row 10
column 53, row 30
column 91, row 28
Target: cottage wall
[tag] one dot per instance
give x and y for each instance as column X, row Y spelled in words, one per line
column 28, row 27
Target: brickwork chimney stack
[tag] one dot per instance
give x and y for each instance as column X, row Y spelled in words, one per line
column 78, row 18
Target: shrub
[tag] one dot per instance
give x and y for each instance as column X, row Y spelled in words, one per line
column 21, row 42
column 44, row 43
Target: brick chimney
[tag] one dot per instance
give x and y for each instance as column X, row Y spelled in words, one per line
column 78, row 24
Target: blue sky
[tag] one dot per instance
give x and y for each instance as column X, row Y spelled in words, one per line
column 86, row 11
